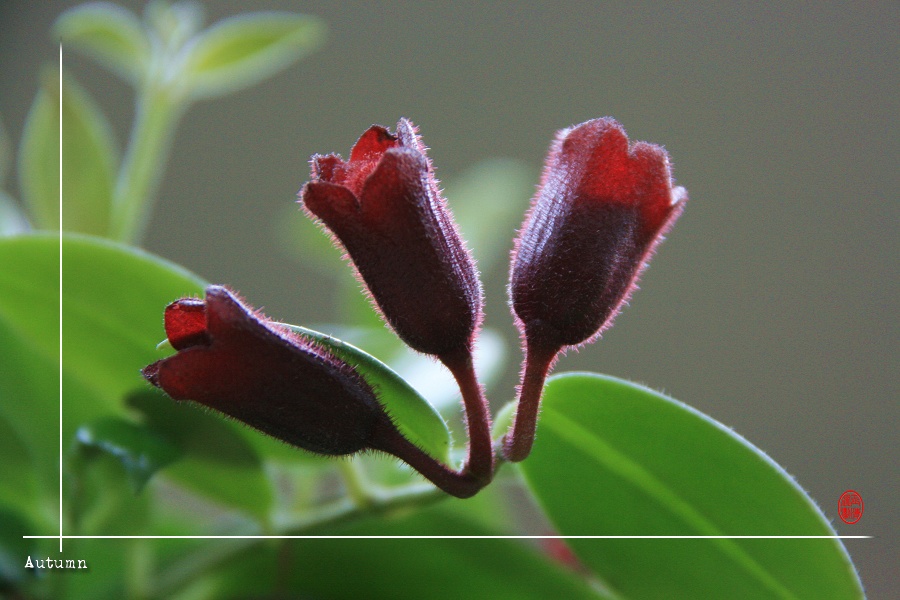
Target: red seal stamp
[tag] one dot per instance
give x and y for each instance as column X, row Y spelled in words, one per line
column 850, row 507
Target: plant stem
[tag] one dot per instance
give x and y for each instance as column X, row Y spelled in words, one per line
column 156, row 116
column 518, row 441
column 480, row 462
column 461, row 484
column 355, row 483
column 138, row 573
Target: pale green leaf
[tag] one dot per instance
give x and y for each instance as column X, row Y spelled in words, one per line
column 110, row 34
column 243, row 50
column 415, row 417
column 89, row 159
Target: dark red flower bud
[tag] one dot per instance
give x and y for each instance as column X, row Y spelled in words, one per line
column 384, row 206
column 600, row 210
column 237, row 362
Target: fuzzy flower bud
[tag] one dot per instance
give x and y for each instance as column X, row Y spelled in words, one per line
column 600, row 210
column 384, row 207
column 237, row 362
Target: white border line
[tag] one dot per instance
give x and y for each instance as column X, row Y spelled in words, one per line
column 60, row 307
column 456, row 537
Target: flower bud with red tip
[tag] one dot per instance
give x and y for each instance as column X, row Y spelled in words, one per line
column 594, row 222
column 384, row 207
column 602, row 207
column 236, row 362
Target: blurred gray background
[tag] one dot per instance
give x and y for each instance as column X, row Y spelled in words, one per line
column 771, row 307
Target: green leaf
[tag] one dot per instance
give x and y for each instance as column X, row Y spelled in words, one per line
column 19, row 484
column 28, row 387
column 243, row 50
column 113, row 301
column 141, row 451
column 89, row 159
column 615, row 458
column 110, row 34
column 415, row 417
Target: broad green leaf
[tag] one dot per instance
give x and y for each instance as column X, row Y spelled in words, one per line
column 113, row 298
column 489, row 202
column 615, row 458
column 29, row 389
column 243, row 50
column 19, row 484
column 416, row 418
column 89, row 159
column 141, row 451
column 108, row 33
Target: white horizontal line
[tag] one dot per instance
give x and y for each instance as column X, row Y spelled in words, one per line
column 452, row 537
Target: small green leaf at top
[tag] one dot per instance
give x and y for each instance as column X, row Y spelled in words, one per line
column 89, row 157
column 613, row 458
column 108, row 33
column 243, row 50
column 415, row 417
column 141, row 451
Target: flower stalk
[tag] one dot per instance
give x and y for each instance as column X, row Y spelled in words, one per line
column 156, row 119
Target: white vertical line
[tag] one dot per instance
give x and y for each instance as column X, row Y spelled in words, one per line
column 60, row 307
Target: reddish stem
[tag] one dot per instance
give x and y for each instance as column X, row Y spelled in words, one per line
column 460, row 484
column 518, row 441
column 480, row 462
